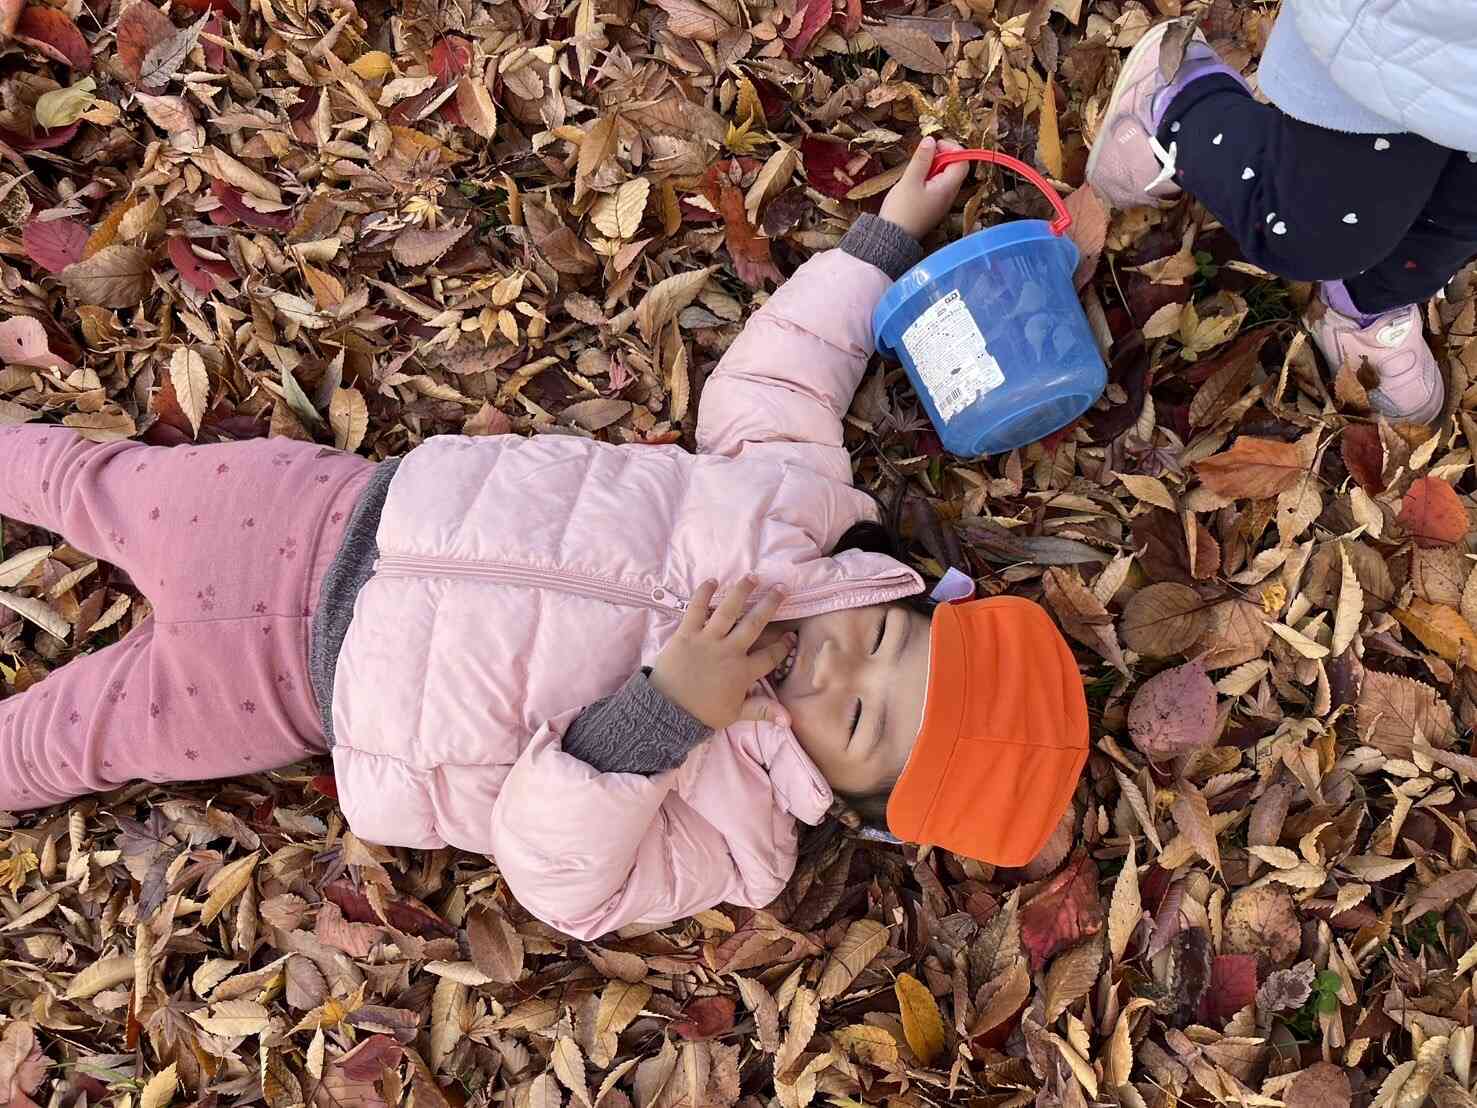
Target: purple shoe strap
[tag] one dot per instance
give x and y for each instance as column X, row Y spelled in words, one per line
column 1336, row 296
column 1200, row 61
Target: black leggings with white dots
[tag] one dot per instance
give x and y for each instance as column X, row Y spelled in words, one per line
column 1394, row 216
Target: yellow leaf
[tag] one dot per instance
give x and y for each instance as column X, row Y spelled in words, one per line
column 159, row 1090
column 619, row 214
column 191, row 381
column 873, row 1045
column 227, row 885
column 372, row 66
column 1049, row 140
column 233, row 1018
column 64, row 106
column 102, row 974
column 446, row 1019
column 1442, row 629
column 348, row 414
column 922, row 1024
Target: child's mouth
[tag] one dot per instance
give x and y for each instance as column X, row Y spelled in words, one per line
column 780, row 672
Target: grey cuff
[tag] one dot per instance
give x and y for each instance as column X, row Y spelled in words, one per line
column 635, row 730
column 884, row 244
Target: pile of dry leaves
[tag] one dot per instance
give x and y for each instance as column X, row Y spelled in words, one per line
column 365, row 224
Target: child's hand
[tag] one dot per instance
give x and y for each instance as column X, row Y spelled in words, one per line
column 916, row 204
column 707, row 669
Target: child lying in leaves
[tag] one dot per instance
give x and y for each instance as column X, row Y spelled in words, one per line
column 624, row 672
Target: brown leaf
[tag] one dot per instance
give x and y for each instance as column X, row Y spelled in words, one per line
column 863, row 941
column 1071, row 976
column 912, row 48
column 1082, row 615
column 1192, row 817
column 1321, row 1085
column 1262, row 921
column 1089, row 231
column 114, row 277
column 1049, row 140
column 666, row 298
column 475, row 104
column 171, row 114
column 1441, row 893
column 691, row 19
column 421, row 247
column 1164, row 619
column 55, row 35
column 1253, row 467
column 1391, row 709
column 140, row 28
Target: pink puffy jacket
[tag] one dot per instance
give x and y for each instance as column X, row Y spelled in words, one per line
column 522, row 578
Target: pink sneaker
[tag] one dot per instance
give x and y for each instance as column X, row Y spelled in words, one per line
column 1411, row 388
column 1128, row 166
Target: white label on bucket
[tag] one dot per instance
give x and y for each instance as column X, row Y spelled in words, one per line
column 949, row 353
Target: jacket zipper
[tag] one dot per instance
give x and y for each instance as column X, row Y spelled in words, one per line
column 807, row 602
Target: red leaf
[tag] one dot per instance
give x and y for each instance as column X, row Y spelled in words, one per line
column 200, row 7
column 404, row 911
column 215, row 54
column 234, row 208
column 749, row 250
column 1433, row 514
column 1364, row 456
column 449, row 59
column 140, row 28
column 817, row 15
column 54, row 245
column 201, row 273
column 1232, row 987
column 705, row 1018
column 325, row 785
column 55, row 35
column 851, row 19
column 41, row 140
column 832, row 168
column 1064, row 912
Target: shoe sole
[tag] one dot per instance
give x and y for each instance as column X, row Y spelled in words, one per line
column 1151, row 38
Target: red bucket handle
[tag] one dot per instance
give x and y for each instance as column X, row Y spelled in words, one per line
column 1063, row 218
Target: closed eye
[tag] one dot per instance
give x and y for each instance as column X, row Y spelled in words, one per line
column 881, row 633
column 856, row 718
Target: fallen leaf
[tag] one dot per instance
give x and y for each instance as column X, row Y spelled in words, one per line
column 922, row 1024
column 1163, row 620
column 1432, row 513
column 55, row 35
column 1174, row 712
column 1253, row 467
column 114, row 277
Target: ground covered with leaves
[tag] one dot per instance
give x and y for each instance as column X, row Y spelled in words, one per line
column 364, row 225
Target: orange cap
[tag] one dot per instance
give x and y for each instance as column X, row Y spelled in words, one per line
column 1004, row 735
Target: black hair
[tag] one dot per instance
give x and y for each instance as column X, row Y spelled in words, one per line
column 867, row 813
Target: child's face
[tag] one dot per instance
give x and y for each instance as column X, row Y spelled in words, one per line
column 855, row 692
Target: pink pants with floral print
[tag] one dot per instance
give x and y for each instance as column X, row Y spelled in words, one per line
column 229, row 543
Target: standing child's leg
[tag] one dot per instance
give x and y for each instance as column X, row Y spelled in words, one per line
column 230, row 544
column 1302, row 201
column 1441, row 241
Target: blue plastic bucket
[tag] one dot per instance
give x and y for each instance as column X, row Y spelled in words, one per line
column 991, row 332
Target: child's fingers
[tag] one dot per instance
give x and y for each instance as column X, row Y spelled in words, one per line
column 952, row 177
column 763, row 661
column 728, row 612
column 752, row 625
column 922, row 159
column 696, row 615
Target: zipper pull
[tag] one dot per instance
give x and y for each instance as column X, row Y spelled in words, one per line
column 668, row 599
